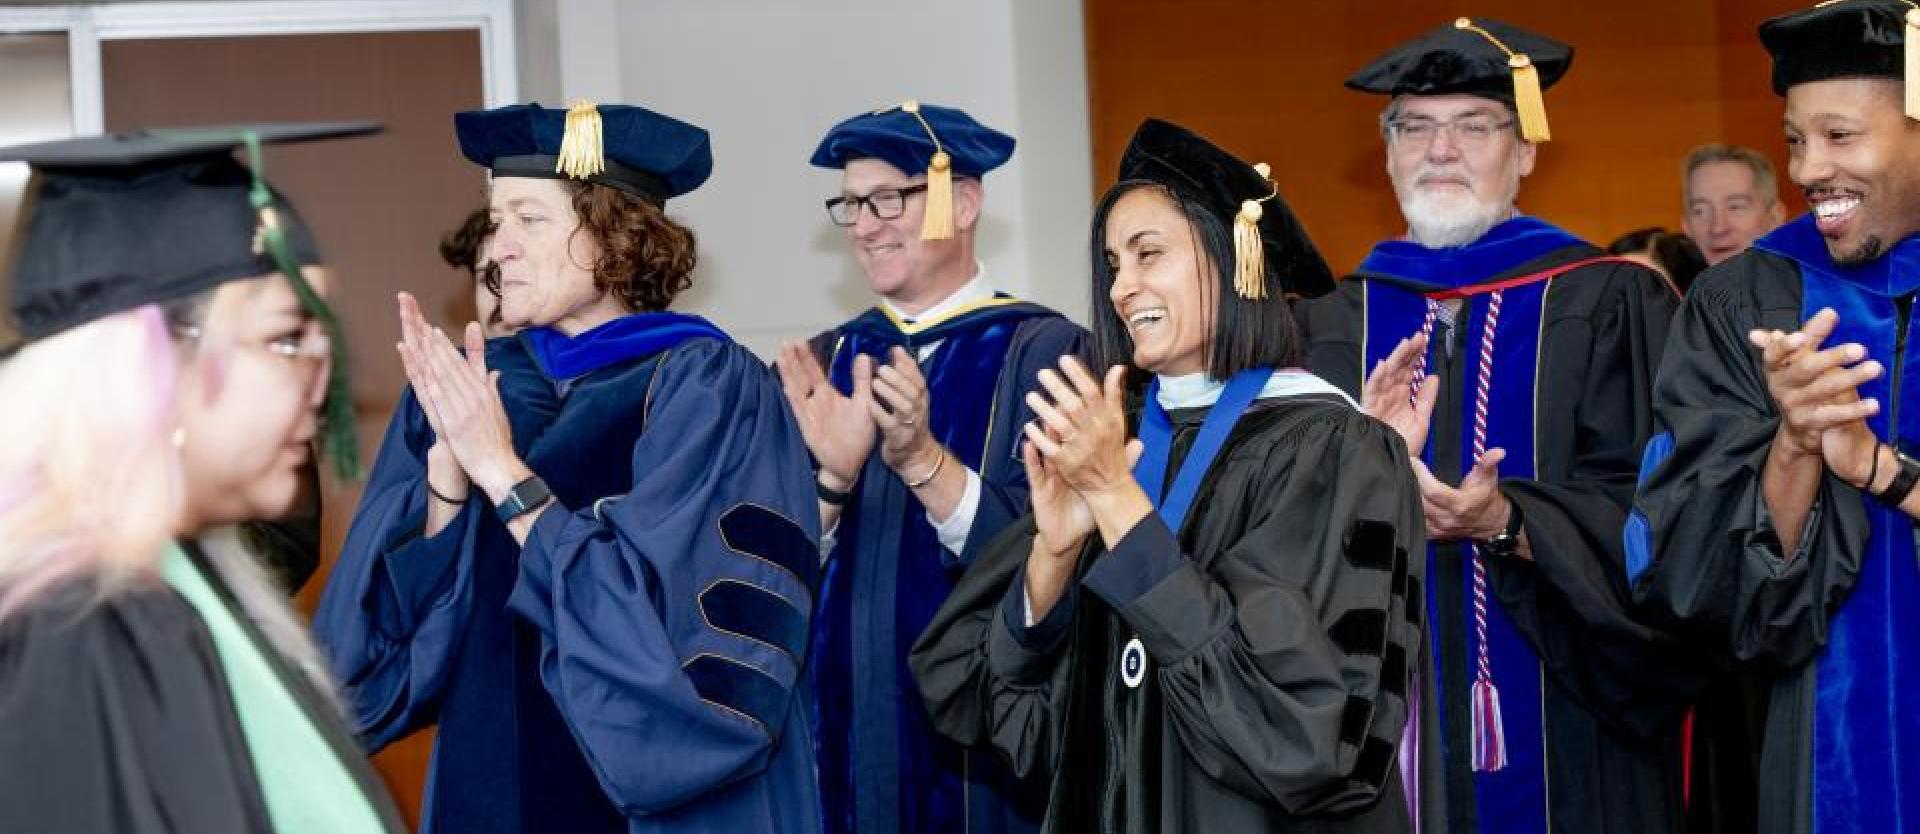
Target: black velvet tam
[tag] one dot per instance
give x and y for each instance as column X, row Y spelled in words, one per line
column 1191, row 166
column 1449, row 60
column 137, row 218
column 1837, row 40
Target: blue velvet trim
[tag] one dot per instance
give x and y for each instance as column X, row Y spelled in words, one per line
column 1512, row 800
column 882, row 767
column 1502, row 248
column 1865, row 778
column 738, row 687
column 561, row 357
column 756, row 614
column 1639, row 533
column 756, row 531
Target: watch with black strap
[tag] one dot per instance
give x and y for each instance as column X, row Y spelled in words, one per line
column 1904, row 479
column 525, row 497
column 1507, row 542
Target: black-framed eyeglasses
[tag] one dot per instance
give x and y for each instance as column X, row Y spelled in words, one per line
column 886, row 204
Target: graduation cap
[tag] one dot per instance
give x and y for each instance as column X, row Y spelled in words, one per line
column 1264, row 228
column 628, row 148
column 1842, row 38
column 910, row 136
column 125, row 220
column 1479, row 57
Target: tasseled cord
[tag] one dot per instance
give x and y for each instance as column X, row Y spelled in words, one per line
column 1489, row 739
column 937, row 222
column 340, row 439
column 1249, row 251
column 582, row 153
column 1528, row 101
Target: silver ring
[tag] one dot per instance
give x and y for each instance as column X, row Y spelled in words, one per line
column 906, row 421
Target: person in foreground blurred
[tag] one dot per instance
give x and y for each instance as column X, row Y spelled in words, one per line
column 152, row 678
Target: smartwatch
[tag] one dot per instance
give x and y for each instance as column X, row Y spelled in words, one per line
column 525, row 497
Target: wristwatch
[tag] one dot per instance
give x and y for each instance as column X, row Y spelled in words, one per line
column 1506, row 542
column 525, row 497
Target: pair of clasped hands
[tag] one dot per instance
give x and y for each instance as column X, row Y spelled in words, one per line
column 1816, row 389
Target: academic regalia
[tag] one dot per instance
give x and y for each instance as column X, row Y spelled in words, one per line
column 1239, row 660
column 1556, row 711
column 161, row 706
column 883, row 768
column 1821, row 628
column 1591, row 700
column 634, row 666
column 1825, row 625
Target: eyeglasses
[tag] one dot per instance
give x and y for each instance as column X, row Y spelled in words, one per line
column 1468, row 131
column 308, row 347
column 886, row 204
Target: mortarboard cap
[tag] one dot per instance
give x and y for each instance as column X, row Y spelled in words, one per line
column 1478, row 57
column 1842, row 38
column 915, row 138
column 628, row 148
column 120, row 221
column 1265, row 230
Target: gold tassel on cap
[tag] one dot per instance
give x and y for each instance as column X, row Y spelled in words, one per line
column 581, row 154
column 938, row 222
column 1249, row 251
column 1528, row 101
column 1912, row 79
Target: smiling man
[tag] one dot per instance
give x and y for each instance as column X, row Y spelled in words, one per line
column 913, row 412
column 1532, row 407
column 1775, row 525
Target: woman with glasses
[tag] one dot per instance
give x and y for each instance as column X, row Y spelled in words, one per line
column 151, row 677
column 587, row 550
column 1210, row 627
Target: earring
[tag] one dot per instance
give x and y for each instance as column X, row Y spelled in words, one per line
column 180, row 437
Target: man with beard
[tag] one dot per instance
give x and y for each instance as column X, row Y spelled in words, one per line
column 1776, row 523
column 1516, row 360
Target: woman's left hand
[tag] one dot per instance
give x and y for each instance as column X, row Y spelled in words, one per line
column 460, row 390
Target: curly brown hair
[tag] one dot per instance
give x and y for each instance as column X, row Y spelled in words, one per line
column 646, row 258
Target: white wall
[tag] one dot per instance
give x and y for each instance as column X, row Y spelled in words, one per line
column 769, row 77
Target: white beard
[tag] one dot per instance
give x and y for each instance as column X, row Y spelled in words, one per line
column 1456, row 220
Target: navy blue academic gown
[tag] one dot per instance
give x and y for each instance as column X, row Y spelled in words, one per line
column 882, row 767
column 633, row 668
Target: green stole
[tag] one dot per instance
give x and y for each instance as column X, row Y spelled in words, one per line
column 309, row 785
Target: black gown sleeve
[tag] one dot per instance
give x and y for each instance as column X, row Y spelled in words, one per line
column 115, row 719
column 1571, row 600
column 1283, row 662
column 1709, row 564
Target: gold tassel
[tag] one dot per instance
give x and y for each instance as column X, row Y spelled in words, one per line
column 1912, row 79
column 1528, row 100
column 581, row 154
column 938, row 223
column 1249, row 251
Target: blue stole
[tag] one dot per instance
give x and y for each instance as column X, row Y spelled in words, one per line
column 561, row 357
column 1512, row 800
column 1866, row 725
column 889, row 574
column 1156, row 435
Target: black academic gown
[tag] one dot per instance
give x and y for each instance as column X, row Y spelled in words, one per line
column 883, row 768
column 116, row 718
column 1710, row 567
column 1277, row 636
column 1614, row 690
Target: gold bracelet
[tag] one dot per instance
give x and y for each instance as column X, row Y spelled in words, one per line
column 932, row 473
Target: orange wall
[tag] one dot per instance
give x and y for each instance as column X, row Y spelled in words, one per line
column 1650, row 79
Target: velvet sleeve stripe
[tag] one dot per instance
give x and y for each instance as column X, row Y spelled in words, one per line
column 737, row 688
column 757, row 532
column 756, row 614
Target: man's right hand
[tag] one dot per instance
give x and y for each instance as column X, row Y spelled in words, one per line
column 838, row 428
column 1815, row 388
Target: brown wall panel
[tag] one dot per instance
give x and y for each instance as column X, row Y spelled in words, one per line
column 378, row 205
column 1650, row 79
